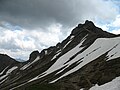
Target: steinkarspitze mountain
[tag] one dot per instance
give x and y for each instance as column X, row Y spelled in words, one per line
column 88, row 57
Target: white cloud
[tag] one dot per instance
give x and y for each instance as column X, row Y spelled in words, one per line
column 20, row 43
column 99, row 9
column 116, row 23
column 114, row 26
column 116, row 31
column 104, row 27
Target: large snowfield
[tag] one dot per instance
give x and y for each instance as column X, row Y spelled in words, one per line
column 98, row 48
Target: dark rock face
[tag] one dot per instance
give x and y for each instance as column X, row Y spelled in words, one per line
column 92, row 29
column 5, row 61
column 33, row 55
column 34, row 74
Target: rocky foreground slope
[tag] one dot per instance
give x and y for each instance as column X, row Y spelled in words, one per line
column 88, row 56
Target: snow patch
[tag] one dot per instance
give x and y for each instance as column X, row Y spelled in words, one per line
column 82, row 89
column 3, row 80
column 113, row 85
column 72, row 37
column 55, row 56
column 115, row 52
column 3, row 70
column 34, row 79
column 30, row 63
column 2, row 77
column 12, row 69
column 58, row 51
column 67, row 44
column 46, row 52
column 8, row 72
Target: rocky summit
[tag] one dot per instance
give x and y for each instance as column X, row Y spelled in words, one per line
column 89, row 56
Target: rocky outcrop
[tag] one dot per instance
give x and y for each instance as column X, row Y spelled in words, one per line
column 33, row 55
column 6, row 61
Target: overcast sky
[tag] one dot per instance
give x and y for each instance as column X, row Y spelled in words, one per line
column 27, row 25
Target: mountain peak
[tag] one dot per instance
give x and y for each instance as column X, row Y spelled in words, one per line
column 89, row 23
column 33, row 55
column 90, row 28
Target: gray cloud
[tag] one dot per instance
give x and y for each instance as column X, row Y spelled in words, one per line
column 32, row 14
column 35, row 13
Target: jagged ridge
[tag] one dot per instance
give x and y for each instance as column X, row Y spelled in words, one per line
column 71, row 64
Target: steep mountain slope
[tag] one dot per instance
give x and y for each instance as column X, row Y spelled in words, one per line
column 87, row 57
column 5, row 60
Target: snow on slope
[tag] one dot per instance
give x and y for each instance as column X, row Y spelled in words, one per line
column 98, row 48
column 3, row 71
column 8, row 72
column 71, row 38
column 60, row 63
column 113, row 85
column 114, row 53
column 59, row 51
column 57, row 54
column 30, row 63
column 11, row 69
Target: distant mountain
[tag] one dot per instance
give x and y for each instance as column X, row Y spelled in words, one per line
column 6, row 61
column 88, row 57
